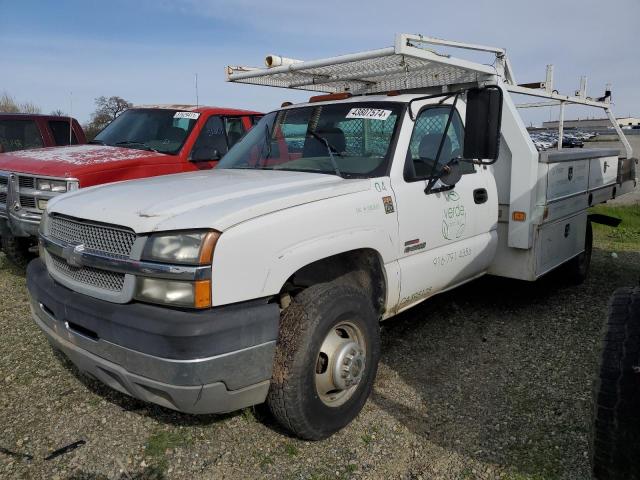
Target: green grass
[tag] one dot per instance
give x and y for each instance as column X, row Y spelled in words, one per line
column 156, row 446
column 160, row 441
column 624, row 237
column 291, row 450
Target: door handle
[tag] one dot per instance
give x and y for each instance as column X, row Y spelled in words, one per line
column 480, row 195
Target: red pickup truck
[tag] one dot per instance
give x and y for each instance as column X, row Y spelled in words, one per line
column 20, row 131
column 143, row 141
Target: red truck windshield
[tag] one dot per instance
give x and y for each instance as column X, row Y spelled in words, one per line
column 159, row 130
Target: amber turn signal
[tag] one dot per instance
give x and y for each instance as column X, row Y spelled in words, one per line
column 202, row 294
column 208, row 245
column 519, row 216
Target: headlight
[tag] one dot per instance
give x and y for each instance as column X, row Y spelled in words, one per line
column 190, row 248
column 56, row 186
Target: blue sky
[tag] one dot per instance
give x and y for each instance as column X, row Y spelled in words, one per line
column 149, row 51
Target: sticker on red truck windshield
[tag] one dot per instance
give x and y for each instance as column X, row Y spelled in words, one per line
column 189, row 115
column 371, row 113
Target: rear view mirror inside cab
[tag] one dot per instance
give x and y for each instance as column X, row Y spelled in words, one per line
column 482, row 125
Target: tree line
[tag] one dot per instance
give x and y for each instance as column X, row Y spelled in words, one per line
column 107, row 109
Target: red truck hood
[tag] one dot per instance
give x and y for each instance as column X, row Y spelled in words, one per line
column 74, row 160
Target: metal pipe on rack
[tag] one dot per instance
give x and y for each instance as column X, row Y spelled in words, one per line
column 561, row 126
column 623, row 139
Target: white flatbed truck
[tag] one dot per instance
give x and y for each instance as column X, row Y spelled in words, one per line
column 266, row 278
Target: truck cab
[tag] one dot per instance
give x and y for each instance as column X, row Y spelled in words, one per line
column 142, row 142
column 266, row 278
column 21, row 131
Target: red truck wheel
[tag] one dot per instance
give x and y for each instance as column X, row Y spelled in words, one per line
column 17, row 249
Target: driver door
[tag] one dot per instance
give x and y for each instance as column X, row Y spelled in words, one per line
column 444, row 237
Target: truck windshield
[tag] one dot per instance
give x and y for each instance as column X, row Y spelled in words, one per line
column 156, row 129
column 345, row 139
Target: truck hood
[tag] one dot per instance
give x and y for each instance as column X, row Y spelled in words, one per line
column 218, row 198
column 72, row 161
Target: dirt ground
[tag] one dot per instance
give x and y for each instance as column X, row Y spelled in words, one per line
column 492, row 380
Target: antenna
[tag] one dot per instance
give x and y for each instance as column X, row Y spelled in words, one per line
column 197, row 100
column 70, row 119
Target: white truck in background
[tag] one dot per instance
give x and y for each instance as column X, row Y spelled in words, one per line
column 265, row 279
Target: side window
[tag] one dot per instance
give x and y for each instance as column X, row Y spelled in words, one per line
column 212, row 138
column 19, row 135
column 60, row 130
column 425, row 141
column 234, row 129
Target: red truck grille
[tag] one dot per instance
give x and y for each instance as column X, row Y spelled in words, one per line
column 27, row 182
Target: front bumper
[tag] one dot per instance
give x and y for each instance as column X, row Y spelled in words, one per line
column 195, row 362
column 19, row 212
column 23, row 223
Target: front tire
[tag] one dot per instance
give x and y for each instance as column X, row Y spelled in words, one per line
column 616, row 427
column 17, row 249
column 326, row 360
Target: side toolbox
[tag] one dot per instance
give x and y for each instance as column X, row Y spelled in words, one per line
column 559, row 241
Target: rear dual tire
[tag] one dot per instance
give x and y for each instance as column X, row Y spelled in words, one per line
column 326, row 360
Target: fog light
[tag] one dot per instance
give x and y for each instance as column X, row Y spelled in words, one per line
column 176, row 293
column 42, row 204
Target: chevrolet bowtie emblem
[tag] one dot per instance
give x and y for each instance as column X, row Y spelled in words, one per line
column 73, row 255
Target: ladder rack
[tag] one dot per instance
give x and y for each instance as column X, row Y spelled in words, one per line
column 406, row 66
column 410, row 65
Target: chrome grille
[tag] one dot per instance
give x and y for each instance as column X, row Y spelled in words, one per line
column 4, row 181
column 3, row 197
column 91, row 276
column 110, row 240
column 27, row 202
column 26, row 182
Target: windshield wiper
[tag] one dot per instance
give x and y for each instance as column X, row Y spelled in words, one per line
column 135, row 142
column 330, row 149
column 96, row 142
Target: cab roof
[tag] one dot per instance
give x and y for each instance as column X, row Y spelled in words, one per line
column 402, row 98
column 199, row 109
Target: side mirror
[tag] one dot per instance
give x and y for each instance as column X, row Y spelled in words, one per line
column 205, row 154
column 482, row 125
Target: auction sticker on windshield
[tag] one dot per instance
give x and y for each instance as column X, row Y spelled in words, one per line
column 372, row 113
column 189, row 115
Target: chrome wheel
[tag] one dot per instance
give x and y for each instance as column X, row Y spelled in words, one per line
column 340, row 364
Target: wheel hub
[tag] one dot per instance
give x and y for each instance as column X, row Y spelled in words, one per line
column 349, row 365
column 341, row 364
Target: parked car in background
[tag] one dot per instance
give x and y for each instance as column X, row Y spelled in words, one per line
column 571, row 142
column 144, row 141
column 22, row 131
